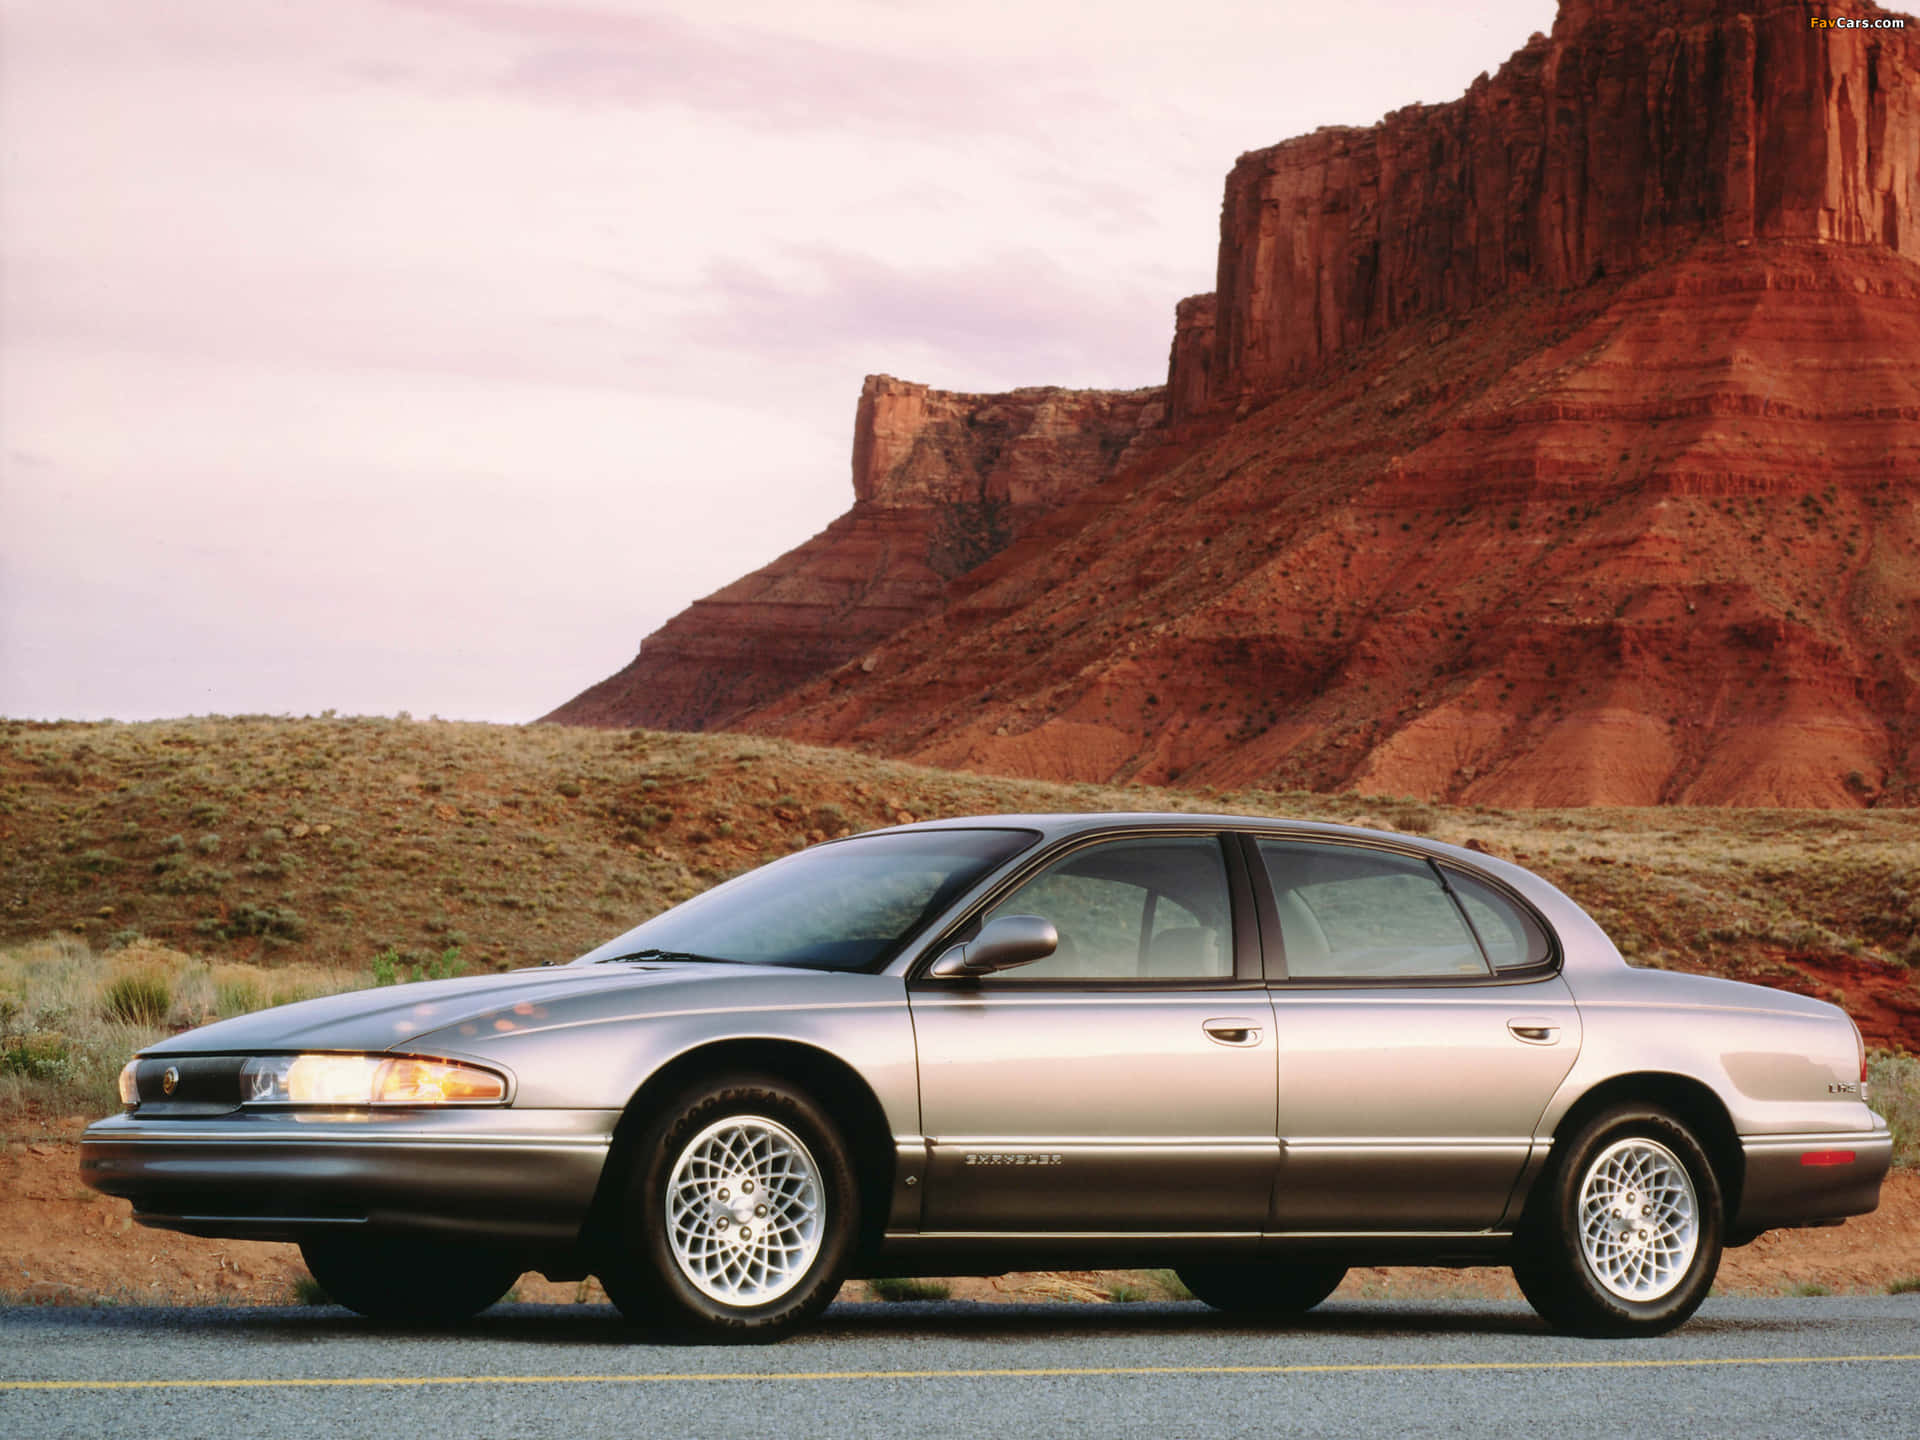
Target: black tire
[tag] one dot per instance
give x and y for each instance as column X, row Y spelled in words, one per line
column 408, row 1280
column 1623, row 1235
column 685, row 1255
column 1262, row 1288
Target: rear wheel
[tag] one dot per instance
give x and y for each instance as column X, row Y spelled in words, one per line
column 1624, row 1238
column 408, row 1280
column 1262, row 1288
column 739, row 1214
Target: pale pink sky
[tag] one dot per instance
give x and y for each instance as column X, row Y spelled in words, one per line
column 425, row 354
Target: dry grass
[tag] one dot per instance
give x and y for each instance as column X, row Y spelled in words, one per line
column 70, row 1018
column 1893, row 1087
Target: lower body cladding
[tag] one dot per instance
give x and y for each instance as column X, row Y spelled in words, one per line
column 525, row 1179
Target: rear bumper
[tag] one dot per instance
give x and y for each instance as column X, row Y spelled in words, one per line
column 523, row 1178
column 1794, row 1180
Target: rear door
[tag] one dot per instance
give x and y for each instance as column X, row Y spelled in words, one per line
column 1124, row 1084
column 1422, row 1031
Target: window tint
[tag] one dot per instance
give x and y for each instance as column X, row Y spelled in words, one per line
column 1362, row 914
column 1512, row 938
column 1131, row 910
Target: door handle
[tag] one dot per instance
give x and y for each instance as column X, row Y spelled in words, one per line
column 1232, row 1030
column 1533, row 1030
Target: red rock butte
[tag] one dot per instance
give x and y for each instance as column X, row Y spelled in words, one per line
column 1559, row 445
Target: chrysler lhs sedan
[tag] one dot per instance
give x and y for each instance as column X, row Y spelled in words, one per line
column 1256, row 1051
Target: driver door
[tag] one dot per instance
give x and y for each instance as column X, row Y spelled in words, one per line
column 1125, row 1084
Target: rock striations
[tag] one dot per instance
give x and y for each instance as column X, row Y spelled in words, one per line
column 1636, row 128
column 1556, row 446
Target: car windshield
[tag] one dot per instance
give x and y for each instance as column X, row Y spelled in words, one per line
column 849, row 905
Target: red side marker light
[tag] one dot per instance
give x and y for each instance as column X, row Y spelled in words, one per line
column 1827, row 1157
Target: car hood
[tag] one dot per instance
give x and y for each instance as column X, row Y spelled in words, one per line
column 390, row 1016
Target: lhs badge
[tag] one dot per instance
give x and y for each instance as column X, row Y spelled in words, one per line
column 170, row 1080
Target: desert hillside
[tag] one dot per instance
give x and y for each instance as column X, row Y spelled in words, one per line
column 1556, row 446
column 336, row 842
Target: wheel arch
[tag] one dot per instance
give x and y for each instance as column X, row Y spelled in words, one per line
column 836, row 1085
column 1686, row 1098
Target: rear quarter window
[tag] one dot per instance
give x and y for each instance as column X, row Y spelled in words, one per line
column 1512, row 938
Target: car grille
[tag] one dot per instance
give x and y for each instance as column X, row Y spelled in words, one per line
column 203, row 1085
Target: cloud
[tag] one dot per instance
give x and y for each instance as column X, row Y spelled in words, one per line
column 764, row 78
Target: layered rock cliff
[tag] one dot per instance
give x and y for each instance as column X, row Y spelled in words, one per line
column 1633, row 130
column 942, row 481
column 1557, row 446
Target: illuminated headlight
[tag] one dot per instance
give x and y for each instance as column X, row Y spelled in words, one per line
column 365, row 1080
column 129, row 1084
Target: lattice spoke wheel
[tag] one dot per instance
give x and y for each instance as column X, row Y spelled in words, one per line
column 1622, row 1233
column 746, row 1211
column 1639, row 1219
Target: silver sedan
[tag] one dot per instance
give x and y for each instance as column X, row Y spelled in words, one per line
column 1257, row 1051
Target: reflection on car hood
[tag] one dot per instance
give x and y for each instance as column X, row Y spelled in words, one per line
column 387, row 1017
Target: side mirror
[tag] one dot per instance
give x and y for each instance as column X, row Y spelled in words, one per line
column 1002, row 944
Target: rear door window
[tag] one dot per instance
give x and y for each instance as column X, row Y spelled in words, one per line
column 1349, row 913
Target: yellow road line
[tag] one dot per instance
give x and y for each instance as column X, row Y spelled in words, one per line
column 1048, row 1373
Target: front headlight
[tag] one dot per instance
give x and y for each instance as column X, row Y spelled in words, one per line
column 130, row 1083
column 366, row 1080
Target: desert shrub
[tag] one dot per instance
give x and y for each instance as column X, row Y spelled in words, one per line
column 42, row 1055
column 391, row 967
column 1893, row 1088
column 138, row 997
column 192, row 880
column 272, row 922
column 238, row 996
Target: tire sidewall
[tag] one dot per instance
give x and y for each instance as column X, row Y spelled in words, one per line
column 653, row 1274
column 1577, row 1298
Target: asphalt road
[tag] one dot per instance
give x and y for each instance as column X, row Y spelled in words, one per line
column 1801, row 1368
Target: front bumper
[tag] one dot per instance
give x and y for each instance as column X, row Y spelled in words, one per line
column 496, row 1176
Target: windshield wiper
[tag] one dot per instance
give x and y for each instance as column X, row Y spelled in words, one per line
column 652, row 953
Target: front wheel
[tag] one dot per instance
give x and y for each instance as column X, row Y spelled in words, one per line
column 1625, row 1237
column 406, row 1279
column 739, row 1214
column 1262, row 1288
